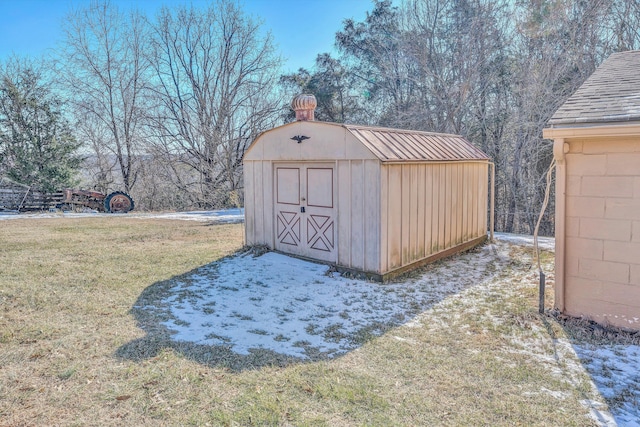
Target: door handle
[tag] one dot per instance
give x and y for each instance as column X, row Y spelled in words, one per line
column 302, row 209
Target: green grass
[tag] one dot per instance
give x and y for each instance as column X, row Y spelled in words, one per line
column 72, row 351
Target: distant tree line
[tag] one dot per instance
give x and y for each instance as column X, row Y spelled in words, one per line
column 493, row 71
column 164, row 107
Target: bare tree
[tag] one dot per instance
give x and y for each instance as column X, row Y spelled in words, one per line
column 494, row 71
column 556, row 46
column 623, row 25
column 101, row 168
column 335, row 89
column 213, row 86
column 376, row 52
column 104, row 68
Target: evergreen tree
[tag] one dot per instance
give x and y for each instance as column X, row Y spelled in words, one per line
column 36, row 143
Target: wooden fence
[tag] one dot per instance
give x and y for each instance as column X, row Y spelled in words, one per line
column 20, row 198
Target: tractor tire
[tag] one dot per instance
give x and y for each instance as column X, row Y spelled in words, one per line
column 118, row 202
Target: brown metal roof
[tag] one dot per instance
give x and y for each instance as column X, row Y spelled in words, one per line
column 611, row 94
column 396, row 145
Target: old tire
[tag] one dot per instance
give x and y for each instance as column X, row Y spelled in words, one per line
column 118, row 202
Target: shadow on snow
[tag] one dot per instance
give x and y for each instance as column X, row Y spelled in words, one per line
column 247, row 311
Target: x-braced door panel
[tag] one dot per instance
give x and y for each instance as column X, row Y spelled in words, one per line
column 288, row 228
column 305, row 210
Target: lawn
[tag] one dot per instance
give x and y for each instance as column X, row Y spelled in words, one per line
column 84, row 340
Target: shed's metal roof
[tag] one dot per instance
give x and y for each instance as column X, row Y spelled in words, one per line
column 611, row 94
column 397, row 145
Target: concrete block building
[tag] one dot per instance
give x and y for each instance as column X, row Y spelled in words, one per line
column 596, row 136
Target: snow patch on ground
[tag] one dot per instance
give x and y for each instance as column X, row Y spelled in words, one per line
column 614, row 370
column 547, row 243
column 218, row 216
column 299, row 308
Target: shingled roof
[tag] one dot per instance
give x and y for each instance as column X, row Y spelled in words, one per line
column 611, row 94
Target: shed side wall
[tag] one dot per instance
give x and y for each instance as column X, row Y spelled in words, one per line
column 258, row 199
column 359, row 214
column 427, row 208
column 602, row 231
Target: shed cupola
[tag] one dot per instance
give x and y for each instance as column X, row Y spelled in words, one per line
column 304, row 105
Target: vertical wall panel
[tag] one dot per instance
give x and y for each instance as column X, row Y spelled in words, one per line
column 461, row 204
column 413, row 212
column 260, row 184
column 447, row 205
column 473, row 213
column 428, row 209
column 394, row 235
column 479, row 195
column 482, row 223
column 344, row 189
column 422, row 218
column 357, row 214
column 435, row 225
column 470, row 192
column 384, row 218
column 268, row 211
column 405, row 190
column 454, row 204
column 249, row 204
column 372, row 215
column 464, row 176
column 446, row 200
column 484, row 173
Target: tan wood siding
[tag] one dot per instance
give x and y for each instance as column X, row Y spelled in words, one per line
column 327, row 142
column 372, row 215
column 356, row 181
column 249, row 203
column 261, row 237
column 442, row 206
column 389, row 214
column 258, row 203
column 344, row 213
column 422, row 217
column 435, row 208
column 267, row 203
column 394, row 218
column 431, row 208
column 428, row 211
column 405, row 214
column 358, row 214
column 384, row 219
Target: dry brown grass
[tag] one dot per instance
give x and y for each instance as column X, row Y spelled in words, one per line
column 73, row 353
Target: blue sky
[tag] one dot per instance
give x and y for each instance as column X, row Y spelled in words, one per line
column 301, row 28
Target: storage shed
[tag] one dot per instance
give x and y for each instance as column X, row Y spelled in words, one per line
column 596, row 136
column 365, row 199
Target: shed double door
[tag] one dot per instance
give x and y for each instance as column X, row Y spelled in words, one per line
column 305, row 215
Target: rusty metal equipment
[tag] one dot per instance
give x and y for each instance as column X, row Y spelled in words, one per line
column 15, row 197
column 116, row 202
